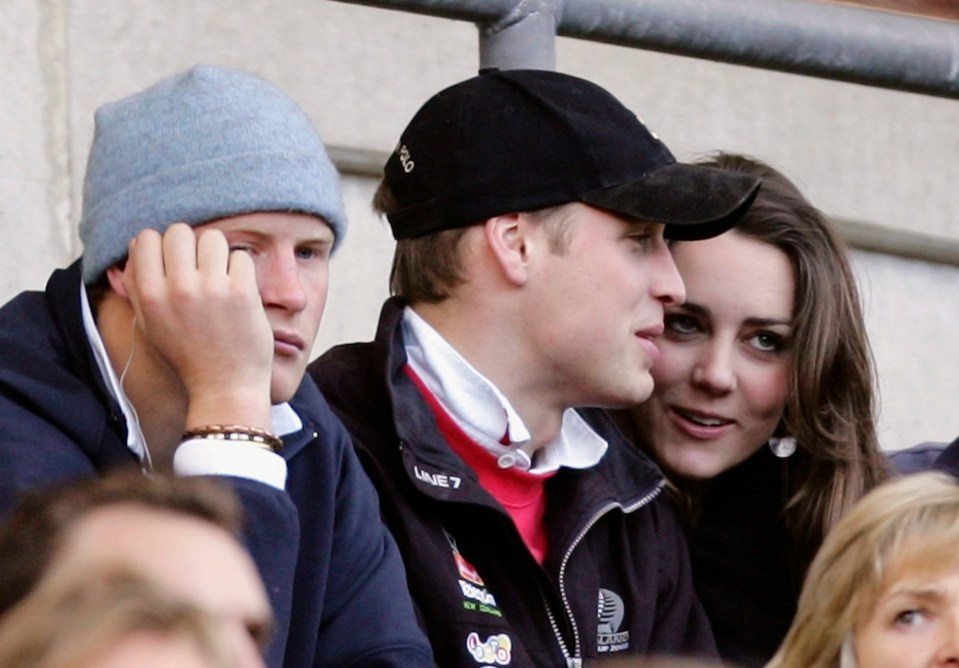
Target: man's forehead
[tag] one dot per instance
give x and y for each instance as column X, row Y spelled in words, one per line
column 187, row 556
column 146, row 536
column 269, row 223
column 114, row 520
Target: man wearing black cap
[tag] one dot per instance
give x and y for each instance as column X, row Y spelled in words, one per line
column 530, row 278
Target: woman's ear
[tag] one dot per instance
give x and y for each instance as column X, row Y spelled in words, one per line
column 506, row 237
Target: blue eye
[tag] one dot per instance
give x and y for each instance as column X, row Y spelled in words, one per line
column 768, row 342
column 313, row 252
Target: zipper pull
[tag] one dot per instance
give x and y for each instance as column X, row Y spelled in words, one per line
column 572, row 662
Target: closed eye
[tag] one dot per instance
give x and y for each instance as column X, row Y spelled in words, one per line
column 646, row 236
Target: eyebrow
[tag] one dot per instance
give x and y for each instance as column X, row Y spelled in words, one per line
column 322, row 237
column 768, row 322
column 911, row 597
column 700, row 310
column 643, row 225
column 923, row 593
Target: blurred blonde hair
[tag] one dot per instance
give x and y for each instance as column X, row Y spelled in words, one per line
column 906, row 525
column 33, row 532
column 72, row 618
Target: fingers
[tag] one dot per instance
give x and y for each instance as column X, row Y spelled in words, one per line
column 146, row 254
column 242, row 268
column 173, row 264
column 200, row 311
column 144, row 260
column 179, row 251
column 212, row 252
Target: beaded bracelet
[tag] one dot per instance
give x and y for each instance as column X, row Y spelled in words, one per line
column 237, row 432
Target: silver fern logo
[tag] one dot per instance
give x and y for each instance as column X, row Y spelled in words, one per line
column 610, row 613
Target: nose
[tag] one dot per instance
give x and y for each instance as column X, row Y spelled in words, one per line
column 668, row 286
column 714, row 371
column 280, row 282
column 948, row 654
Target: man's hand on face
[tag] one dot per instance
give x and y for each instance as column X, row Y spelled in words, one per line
column 198, row 307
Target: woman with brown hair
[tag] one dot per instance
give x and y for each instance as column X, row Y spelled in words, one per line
column 763, row 415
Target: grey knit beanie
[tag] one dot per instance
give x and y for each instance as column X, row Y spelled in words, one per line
column 205, row 144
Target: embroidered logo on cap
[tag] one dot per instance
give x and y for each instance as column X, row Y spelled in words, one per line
column 405, row 158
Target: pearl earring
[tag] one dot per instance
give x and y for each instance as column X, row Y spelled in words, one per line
column 782, row 447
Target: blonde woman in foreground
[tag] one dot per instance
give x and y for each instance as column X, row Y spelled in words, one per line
column 883, row 591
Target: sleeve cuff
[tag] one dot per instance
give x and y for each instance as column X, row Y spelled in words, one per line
column 200, row 456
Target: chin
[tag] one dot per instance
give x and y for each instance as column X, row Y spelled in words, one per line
column 281, row 392
column 693, row 472
column 286, row 381
column 696, row 475
column 642, row 395
column 637, row 391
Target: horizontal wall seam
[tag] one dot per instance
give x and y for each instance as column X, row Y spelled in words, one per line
column 860, row 235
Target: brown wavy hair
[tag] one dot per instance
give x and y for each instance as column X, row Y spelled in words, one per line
column 831, row 400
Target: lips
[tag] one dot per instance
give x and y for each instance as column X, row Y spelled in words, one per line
column 652, row 331
column 287, row 343
column 647, row 341
column 700, row 424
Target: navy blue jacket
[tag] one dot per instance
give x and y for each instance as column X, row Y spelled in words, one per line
column 331, row 569
column 924, row 456
column 616, row 577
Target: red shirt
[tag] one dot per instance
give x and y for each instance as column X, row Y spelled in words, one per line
column 522, row 494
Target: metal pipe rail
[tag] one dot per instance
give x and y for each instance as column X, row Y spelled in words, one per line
column 843, row 43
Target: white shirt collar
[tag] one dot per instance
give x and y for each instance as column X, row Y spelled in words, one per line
column 485, row 414
column 284, row 420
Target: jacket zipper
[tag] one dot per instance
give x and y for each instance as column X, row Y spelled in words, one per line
column 575, row 660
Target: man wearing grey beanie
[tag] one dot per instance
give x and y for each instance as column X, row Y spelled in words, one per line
column 179, row 341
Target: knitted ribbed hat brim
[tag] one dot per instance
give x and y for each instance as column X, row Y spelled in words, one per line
column 199, row 146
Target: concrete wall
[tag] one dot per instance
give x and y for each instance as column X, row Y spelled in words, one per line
column 861, row 154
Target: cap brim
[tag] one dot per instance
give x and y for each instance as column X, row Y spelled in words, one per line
column 694, row 202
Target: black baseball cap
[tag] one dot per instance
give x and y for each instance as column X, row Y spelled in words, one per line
column 522, row 140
